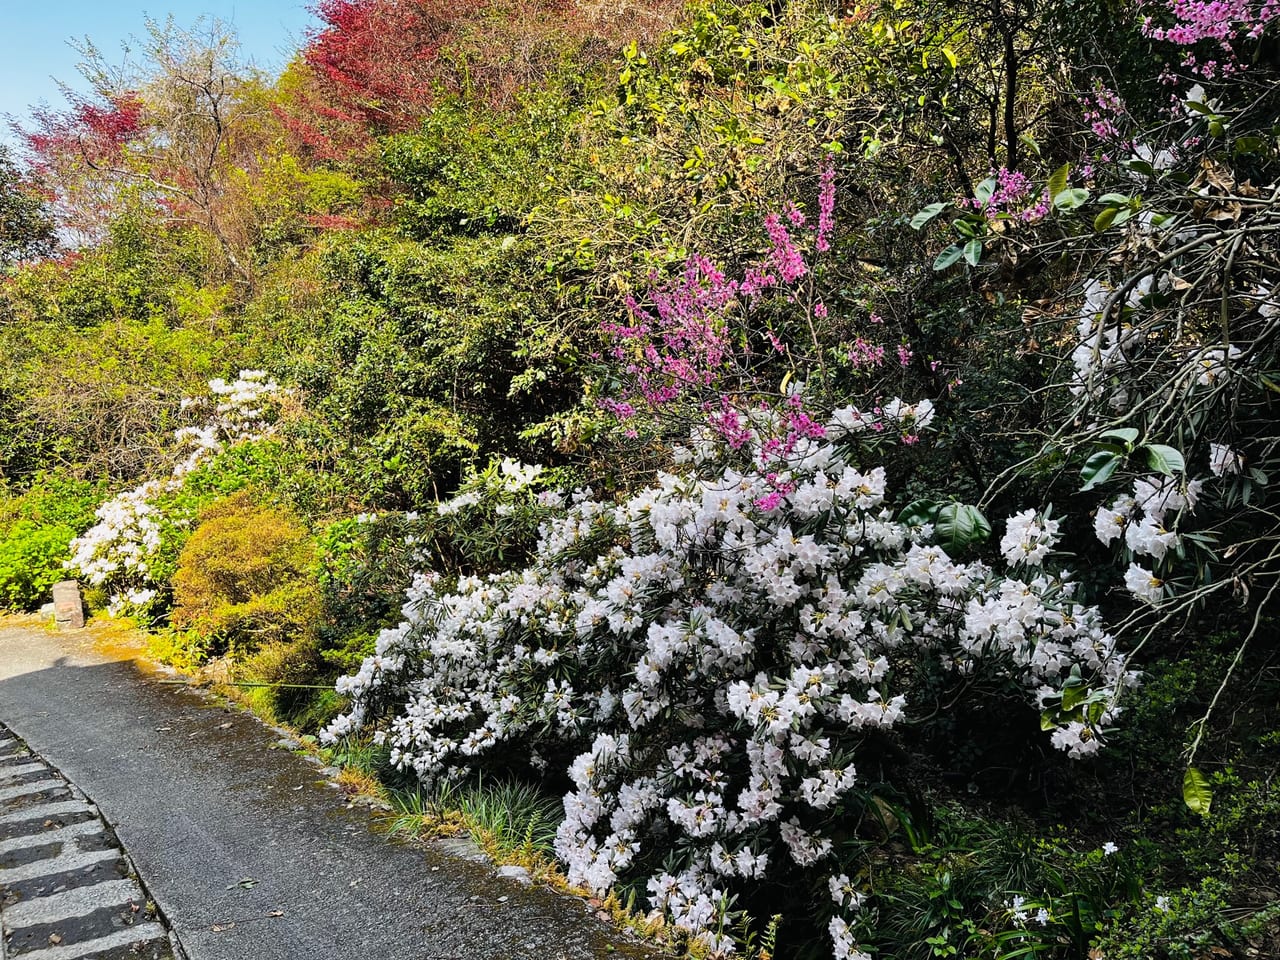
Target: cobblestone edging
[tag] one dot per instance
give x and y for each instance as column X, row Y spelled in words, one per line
column 67, row 890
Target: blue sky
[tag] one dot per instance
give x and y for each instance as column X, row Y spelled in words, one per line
column 34, row 50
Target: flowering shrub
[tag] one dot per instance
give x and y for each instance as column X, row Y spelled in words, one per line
column 716, row 651
column 706, row 348
column 117, row 554
column 234, row 412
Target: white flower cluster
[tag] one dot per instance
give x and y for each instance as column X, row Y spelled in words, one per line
column 1143, row 519
column 1099, row 356
column 896, row 414
column 1028, row 538
column 118, row 551
column 119, row 548
column 499, row 480
column 717, row 658
column 240, row 411
column 1223, row 460
column 1103, row 354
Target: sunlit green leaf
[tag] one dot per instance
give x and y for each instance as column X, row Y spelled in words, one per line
column 1070, row 198
column 1196, row 792
column 1058, row 180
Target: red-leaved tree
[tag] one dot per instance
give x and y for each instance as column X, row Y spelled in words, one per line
column 376, row 67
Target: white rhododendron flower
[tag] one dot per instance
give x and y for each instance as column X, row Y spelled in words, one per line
column 1109, row 522
column 1224, row 460
column 1144, row 584
column 1028, row 538
column 1214, row 364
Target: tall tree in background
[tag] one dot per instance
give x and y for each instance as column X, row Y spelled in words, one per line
column 26, row 229
column 166, row 131
column 377, row 67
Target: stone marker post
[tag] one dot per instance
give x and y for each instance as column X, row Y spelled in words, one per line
column 68, row 609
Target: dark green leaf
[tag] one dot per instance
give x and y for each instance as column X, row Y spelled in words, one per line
column 948, row 257
column 918, row 512
column 958, row 526
column 927, row 214
column 1099, row 468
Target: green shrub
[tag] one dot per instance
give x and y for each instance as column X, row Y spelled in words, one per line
column 36, row 530
column 244, row 577
column 55, row 498
column 291, row 683
column 31, row 558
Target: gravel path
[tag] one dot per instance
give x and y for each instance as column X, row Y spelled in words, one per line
column 246, row 852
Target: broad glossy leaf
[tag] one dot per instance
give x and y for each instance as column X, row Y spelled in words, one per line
column 1196, row 792
column 1164, row 459
column 1099, row 468
column 1072, row 697
column 927, row 214
column 959, row 525
column 1127, row 434
column 1058, row 180
column 918, row 512
column 948, row 257
column 1071, row 198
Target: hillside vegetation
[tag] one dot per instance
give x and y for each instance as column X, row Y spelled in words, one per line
column 831, row 446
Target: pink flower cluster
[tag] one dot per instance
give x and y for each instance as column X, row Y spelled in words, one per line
column 827, row 205
column 681, row 342
column 684, row 344
column 1104, row 111
column 1218, row 22
column 1012, row 195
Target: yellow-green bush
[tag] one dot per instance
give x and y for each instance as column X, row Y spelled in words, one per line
column 296, row 684
column 245, row 577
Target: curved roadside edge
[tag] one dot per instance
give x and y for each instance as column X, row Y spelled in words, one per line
column 68, row 887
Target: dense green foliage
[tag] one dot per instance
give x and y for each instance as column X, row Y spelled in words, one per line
column 446, row 257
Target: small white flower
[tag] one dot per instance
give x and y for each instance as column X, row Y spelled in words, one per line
column 1224, row 460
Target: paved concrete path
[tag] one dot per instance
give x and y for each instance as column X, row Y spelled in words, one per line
column 246, row 851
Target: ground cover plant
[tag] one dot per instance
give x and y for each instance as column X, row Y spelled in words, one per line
column 806, row 467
